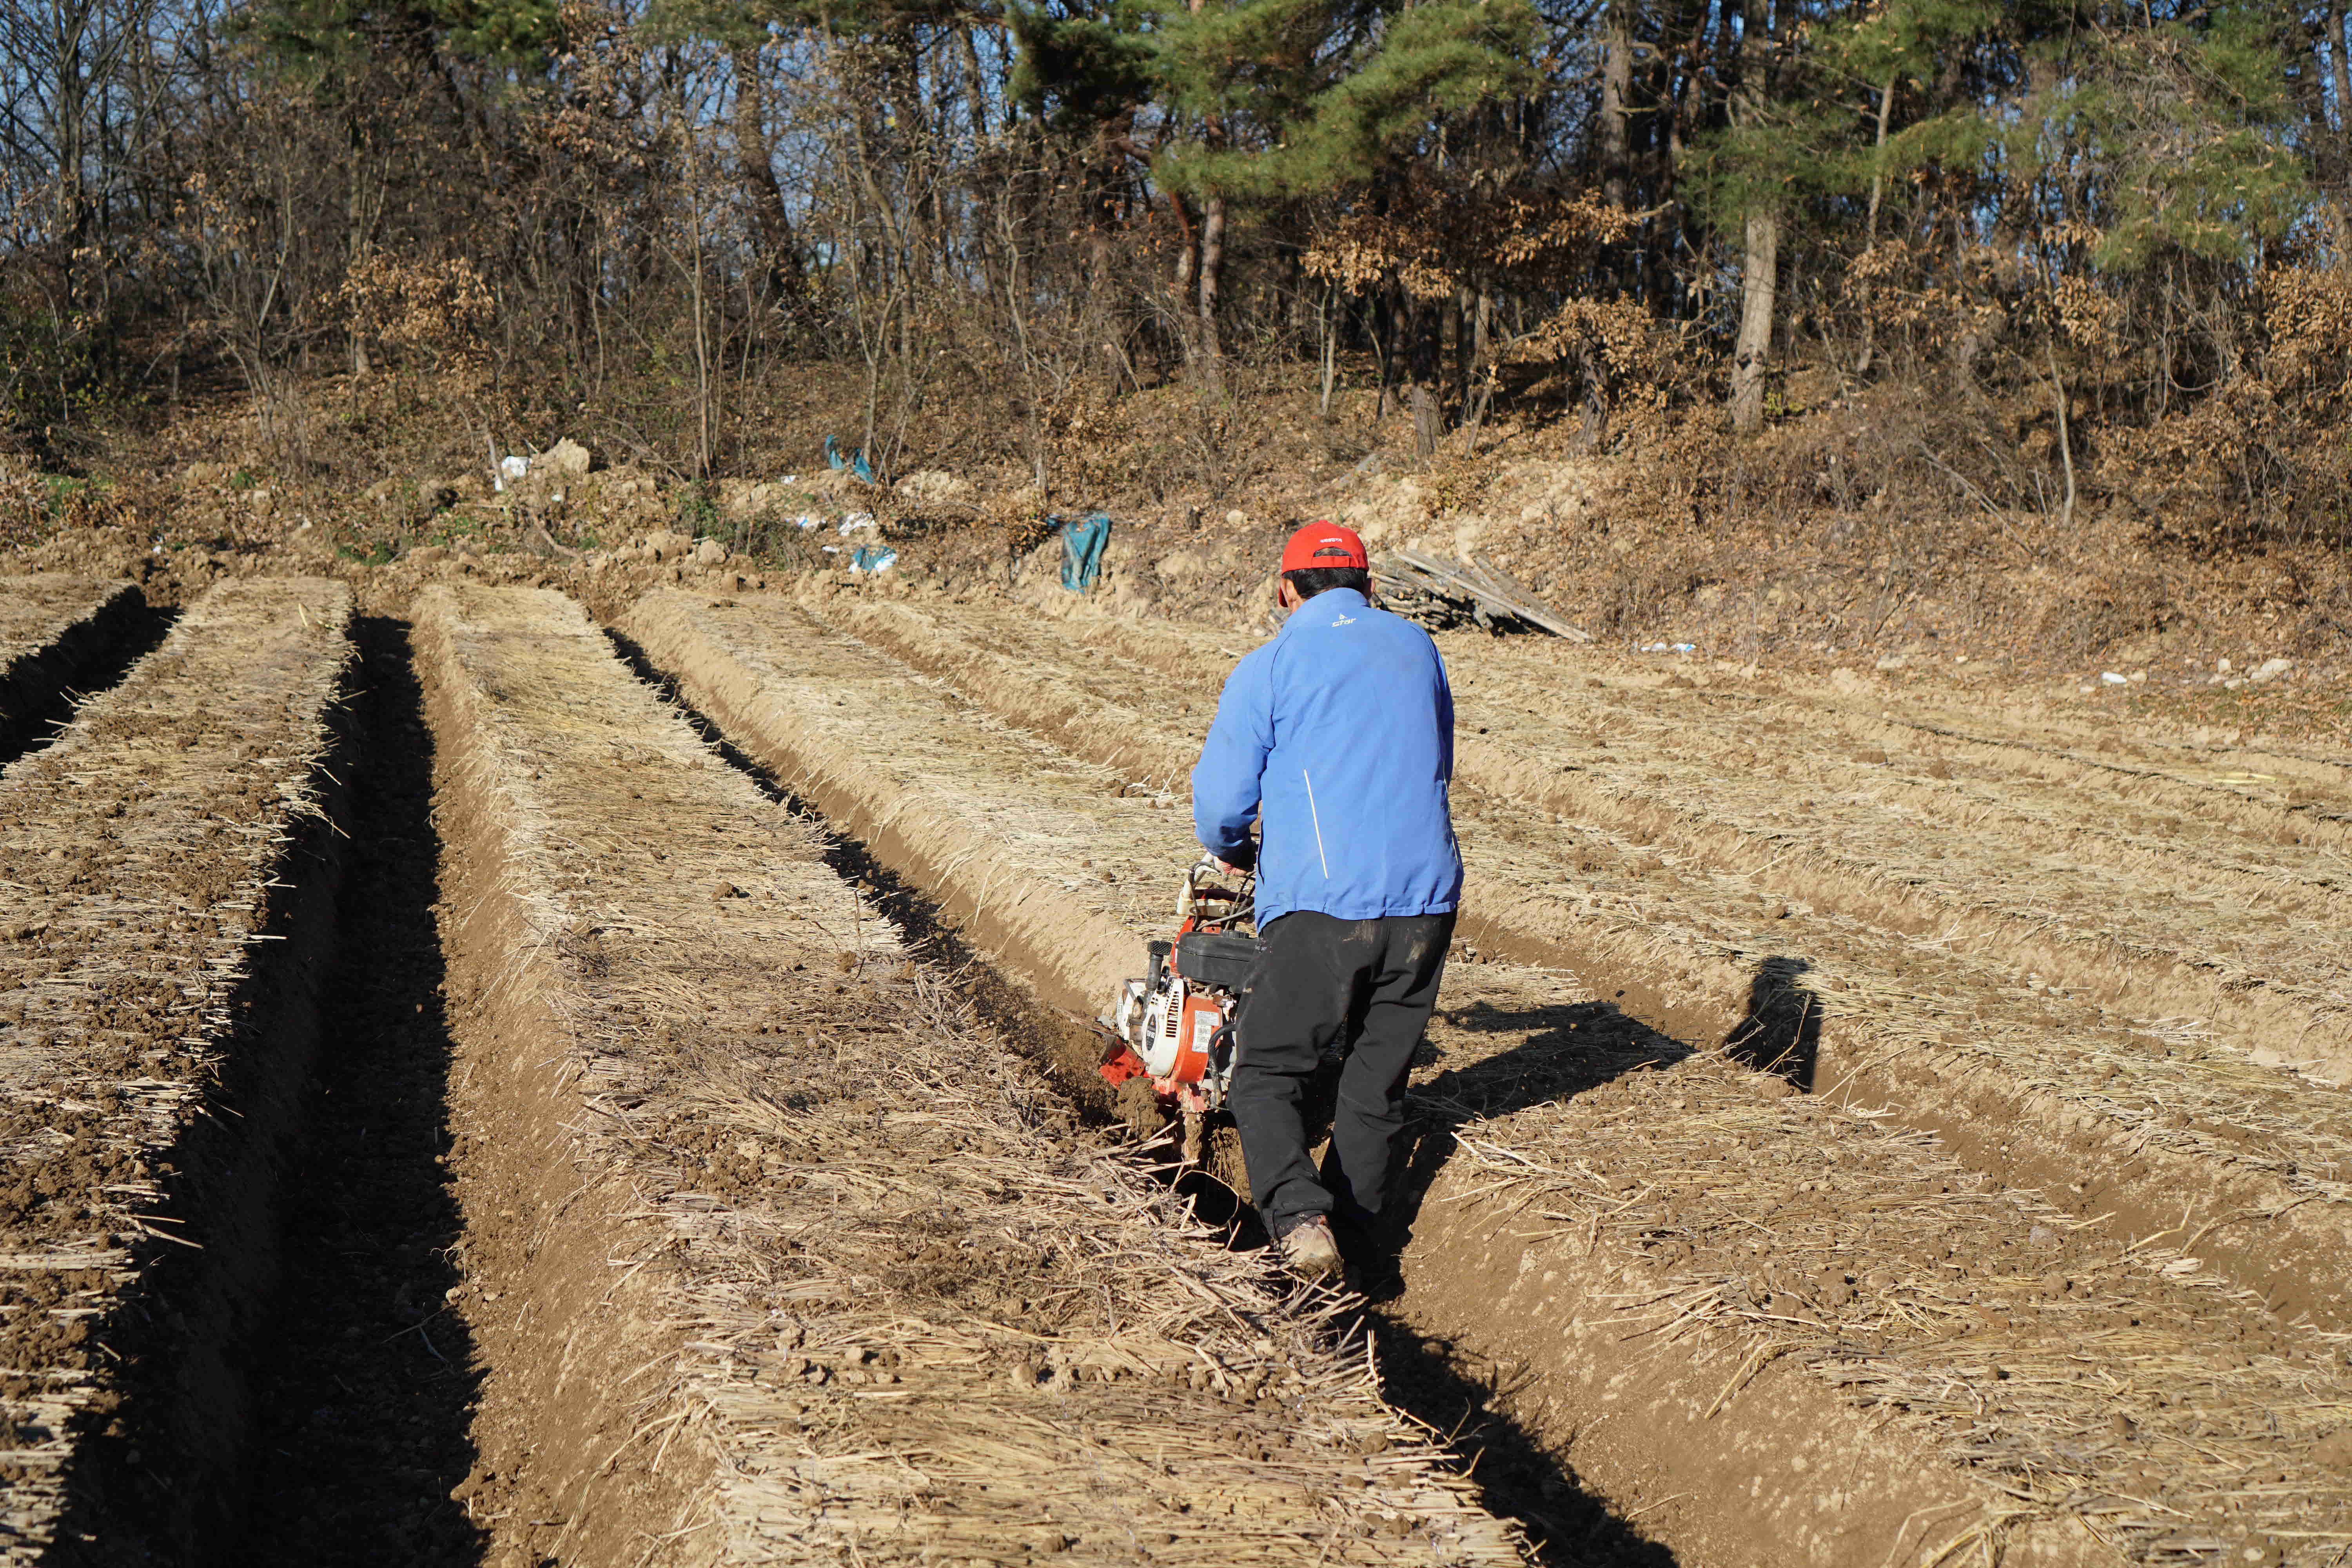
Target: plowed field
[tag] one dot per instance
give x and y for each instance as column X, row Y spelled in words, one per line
column 482, row 1087
column 157, row 858
column 967, row 763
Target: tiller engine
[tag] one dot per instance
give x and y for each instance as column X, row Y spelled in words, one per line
column 1175, row 1026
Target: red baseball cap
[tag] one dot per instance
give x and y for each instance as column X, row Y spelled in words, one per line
column 1323, row 544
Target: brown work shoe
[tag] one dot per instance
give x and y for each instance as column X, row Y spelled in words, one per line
column 1308, row 1250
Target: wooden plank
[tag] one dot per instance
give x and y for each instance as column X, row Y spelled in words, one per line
column 1481, row 584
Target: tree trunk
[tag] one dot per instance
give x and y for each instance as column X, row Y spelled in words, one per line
column 1616, row 91
column 1661, row 281
column 355, row 235
column 1213, row 270
column 2338, row 69
column 1188, row 249
column 1759, row 268
column 1422, row 366
column 755, row 163
column 1331, row 342
column 2065, row 432
column 1386, row 339
column 975, row 84
column 1759, row 279
column 1877, row 190
column 1457, row 325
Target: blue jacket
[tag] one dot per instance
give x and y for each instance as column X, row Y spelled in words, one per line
column 1339, row 734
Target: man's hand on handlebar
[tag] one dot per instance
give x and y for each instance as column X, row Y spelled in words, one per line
column 1237, row 861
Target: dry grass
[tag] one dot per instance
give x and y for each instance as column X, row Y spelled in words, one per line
column 51, row 627
column 142, row 859
column 942, row 775
column 908, row 1316
column 35, row 611
column 2080, row 861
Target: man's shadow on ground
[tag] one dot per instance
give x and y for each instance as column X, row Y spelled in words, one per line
column 1573, row 1047
column 1568, row 1050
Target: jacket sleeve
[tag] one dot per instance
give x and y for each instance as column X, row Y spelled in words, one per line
column 1226, row 780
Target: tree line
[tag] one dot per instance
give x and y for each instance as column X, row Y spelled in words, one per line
column 2115, row 223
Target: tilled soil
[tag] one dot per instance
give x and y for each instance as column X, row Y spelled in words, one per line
column 161, row 889
column 774, row 1253
column 2150, row 1121
column 691, row 1213
column 1811, row 1289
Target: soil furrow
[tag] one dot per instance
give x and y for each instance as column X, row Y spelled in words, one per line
column 167, row 868
column 1712, row 1319
column 364, row 1390
column 59, row 637
column 774, row 1253
column 2132, row 1117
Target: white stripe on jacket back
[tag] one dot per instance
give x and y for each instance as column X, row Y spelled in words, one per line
column 1316, row 818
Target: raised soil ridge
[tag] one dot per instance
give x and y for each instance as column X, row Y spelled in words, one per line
column 167, row 865
column 1718, row 1426
column 2148, row 1122
column 782, row 1257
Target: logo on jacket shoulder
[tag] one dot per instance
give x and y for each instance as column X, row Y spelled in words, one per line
column 1345, row 621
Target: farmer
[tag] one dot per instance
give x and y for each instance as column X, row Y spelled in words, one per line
column 1338, row 737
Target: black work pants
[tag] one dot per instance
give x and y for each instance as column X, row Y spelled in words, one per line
column 1365, row 986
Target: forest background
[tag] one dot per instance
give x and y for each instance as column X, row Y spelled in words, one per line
column 2032, row 318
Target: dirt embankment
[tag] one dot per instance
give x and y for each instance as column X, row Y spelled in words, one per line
column 772, row 1252
column 1730, row 1309
column 167, row 869
column 2142, row 1119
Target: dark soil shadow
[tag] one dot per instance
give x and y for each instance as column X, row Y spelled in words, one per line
column 1568, row 1526
column 42, row 695
column 1782, row 1031
column 364, row 1385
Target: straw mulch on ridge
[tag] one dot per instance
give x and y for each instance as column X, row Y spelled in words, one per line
column 2089, row 868
column 35, row 611
column 870, row 1299
column 2149, row 1114
column 2127, row 1386
column 144, row 859
column 48, row 627
column 1695, row 1215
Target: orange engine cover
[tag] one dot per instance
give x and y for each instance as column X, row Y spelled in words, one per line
column 1204, row 1016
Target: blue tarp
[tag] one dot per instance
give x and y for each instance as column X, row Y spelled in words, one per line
column 855, row 462
column 1082, row 539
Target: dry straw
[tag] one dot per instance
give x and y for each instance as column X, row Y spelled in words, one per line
column 143, row 852
column 1697, row 1171
column 909, row 1315
column 2088, row 886
column 35, row 612
column 2081, row 1376
column 2156, row 1103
